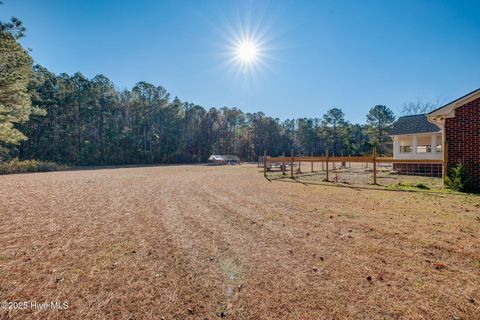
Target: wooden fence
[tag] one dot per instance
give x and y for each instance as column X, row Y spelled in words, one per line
column 326, row 160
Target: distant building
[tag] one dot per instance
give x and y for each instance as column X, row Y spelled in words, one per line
column 456, row 124
column 223, row 159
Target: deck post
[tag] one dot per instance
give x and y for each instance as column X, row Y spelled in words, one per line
column 291, row 165
column 265, row 163
column 311, row 163
column 374, row 158
column 326, row 162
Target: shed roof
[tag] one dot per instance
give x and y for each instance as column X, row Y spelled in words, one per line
column 224, row 157
column 413, row 124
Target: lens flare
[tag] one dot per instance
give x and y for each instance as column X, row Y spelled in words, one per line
column 246, row 46
column 246, row 51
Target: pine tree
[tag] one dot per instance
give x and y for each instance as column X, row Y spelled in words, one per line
column 15, row 73
column 379, row 120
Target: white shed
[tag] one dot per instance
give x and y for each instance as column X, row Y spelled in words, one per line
column 224, row 159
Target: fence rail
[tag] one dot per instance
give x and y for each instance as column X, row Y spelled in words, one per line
column 316, row 159
column 329, row 163
column 350, row 159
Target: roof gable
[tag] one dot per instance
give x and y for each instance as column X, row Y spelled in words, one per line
column 413, row 124
column 447, row 110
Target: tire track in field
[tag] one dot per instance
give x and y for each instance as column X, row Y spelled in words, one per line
column 209, row 256
column 207, row 225
column 270, row 255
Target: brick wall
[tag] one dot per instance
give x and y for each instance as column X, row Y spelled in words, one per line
column 463, row 138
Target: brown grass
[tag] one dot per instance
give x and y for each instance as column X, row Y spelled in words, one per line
column 196, row 242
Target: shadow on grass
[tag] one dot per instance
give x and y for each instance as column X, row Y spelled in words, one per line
column 441, row 192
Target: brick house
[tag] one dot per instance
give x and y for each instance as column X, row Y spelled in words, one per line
column 456, row 124
column 460, row 123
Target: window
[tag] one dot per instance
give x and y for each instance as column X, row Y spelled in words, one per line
column 424, row 144
column 438, row 147
column 405, row 149
column 405, row 144
column 424, row 149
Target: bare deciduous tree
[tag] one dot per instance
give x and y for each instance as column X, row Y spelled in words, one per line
column 420, row 106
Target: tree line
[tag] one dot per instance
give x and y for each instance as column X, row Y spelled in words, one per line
column 70, row 119
column 89, row 122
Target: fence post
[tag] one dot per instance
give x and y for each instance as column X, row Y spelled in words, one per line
column 374, row 151
column 326, row 162
column 291, row 165
column 445, row 163
column 311, row 163
column 265, row 163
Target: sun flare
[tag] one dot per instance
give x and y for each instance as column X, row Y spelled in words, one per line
column 246, row 51
column 247, row 48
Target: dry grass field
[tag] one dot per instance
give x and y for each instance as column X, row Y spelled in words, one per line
column 198, row 242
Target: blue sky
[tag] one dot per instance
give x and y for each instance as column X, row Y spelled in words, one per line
column 316, row 54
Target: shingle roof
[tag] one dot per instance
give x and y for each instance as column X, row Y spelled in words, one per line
column 413, row 124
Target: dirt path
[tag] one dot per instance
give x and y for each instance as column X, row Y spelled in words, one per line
column 197, row 242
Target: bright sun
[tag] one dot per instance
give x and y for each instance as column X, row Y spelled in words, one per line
column 246, row 51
